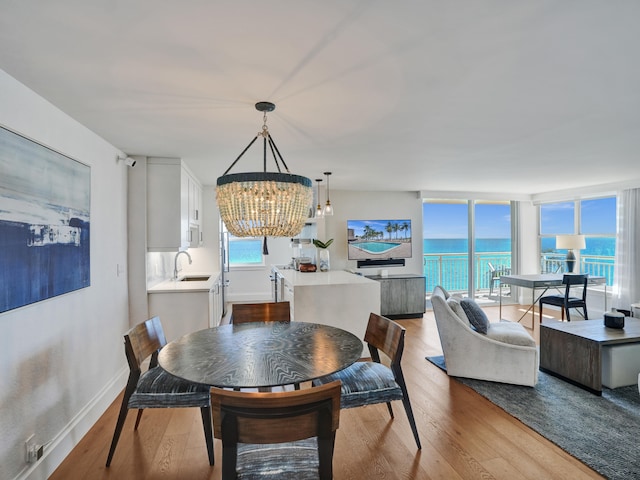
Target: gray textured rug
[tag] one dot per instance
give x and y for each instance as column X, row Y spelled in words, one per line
column 602, row 432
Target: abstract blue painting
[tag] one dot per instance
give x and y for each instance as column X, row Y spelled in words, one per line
column 45, row 203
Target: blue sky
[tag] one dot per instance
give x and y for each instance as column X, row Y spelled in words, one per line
column 597, row 216
column 450, row 220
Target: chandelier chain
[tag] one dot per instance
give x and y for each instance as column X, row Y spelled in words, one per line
column 265, row 130
column 264, row 204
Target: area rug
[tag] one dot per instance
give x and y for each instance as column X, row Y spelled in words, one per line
column 602, row 432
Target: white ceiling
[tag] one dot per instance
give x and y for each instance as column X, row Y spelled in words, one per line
column 515, row 96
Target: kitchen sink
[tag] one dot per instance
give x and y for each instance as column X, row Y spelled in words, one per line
column 199, row 278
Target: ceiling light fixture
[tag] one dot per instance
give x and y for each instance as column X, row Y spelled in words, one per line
column 319, row 210
column 328, row 209
column 264, row 204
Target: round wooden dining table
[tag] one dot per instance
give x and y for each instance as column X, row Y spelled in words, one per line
column 260, row 354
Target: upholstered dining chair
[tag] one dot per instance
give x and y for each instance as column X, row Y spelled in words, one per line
column 367, row 383
column 155, row 388
column 566, row 301
column 277, row 435
column 261, row 312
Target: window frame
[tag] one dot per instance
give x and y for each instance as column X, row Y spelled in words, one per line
column 230, row 239
column 577, row 230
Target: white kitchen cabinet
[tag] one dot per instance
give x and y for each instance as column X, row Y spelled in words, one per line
column 170, row 187
column 185, row 307
column 215, row 304
column 287, row 294
column 195, row 205
column 180, row 312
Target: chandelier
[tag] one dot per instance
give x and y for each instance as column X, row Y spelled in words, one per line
column 264, row 204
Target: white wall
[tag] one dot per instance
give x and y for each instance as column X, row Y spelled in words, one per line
column 529, row 247
column 353, row 205
column 62, row 359
column 252, row 284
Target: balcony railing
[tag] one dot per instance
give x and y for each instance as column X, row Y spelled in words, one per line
column 451, row 270
column 596, row 265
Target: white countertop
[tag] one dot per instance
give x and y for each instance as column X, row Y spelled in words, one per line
column 173, row 286
column 332, row 277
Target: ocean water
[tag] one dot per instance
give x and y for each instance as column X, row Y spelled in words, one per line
column 497, row 251
column 595, row 246
column 461, row 245
column 605, row 247
column 245, row 251
column 249, row 250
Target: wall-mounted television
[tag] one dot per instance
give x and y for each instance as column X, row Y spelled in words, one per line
column 379, row 242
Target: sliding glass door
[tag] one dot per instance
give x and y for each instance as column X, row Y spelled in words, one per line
column 492, row 247
column 467, row 245
column 446, row 244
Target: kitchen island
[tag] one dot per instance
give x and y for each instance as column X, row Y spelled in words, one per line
column 336, row 298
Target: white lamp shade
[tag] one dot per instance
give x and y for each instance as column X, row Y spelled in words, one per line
column 570, row 242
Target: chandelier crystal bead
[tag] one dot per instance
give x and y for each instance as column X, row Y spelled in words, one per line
column 264, row 204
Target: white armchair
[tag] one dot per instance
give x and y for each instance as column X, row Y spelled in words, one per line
column 506, row 353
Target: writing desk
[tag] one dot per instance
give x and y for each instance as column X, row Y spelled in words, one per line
column 253, row 355
column 542, row 282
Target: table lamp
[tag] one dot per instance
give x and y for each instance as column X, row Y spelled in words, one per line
column 571, row 243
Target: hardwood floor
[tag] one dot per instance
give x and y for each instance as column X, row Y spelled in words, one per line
column 463, row 435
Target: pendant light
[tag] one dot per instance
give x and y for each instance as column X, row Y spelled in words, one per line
column 319, row 210
column 264, row 204
column 328, row 209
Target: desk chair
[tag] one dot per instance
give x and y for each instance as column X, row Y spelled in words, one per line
column 155, row 388
column 277, row 435
column 261, row 312
column 565, row 302
column 368, row 383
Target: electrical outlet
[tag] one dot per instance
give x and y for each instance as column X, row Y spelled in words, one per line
column 39, row 451
column 33, row 450
column 30, row 446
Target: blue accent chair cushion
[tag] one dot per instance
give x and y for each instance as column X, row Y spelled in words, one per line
column 476, row 316
column 156, row 388
column 364, row 383
column 265, row 461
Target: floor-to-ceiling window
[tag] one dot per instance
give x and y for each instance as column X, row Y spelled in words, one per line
column 492, row 245
column 467, row 245
column 446, row 244
column 595, row 219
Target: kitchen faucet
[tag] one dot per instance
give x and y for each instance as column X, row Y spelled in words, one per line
column 175, row 263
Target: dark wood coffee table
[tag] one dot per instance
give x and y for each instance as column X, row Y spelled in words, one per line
column 573, row 350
